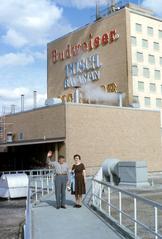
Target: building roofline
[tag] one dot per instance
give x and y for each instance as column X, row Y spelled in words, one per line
column 97, row 105
column 131, row 7
column 33, row 110
column 32, row 142
column 111, row 107
column 85, row 26
column 144, row 14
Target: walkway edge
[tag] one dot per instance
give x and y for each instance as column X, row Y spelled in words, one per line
column 122, row 232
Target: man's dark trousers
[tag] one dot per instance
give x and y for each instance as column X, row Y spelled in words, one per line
column 60, row 189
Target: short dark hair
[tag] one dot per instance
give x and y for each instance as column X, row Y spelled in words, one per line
column 61, row 157
column 77, row 155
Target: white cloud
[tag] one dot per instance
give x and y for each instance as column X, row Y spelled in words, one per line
column 154, row 6
column 16, row 59
column 40, row 100
column 12, row 94
column 80, row 4
column 40, row 55
column 14, row 38
column 28, row 22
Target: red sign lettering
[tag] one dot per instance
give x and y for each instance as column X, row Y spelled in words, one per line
column 92, row 43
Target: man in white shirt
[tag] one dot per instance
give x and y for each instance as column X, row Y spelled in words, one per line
column 61, row 178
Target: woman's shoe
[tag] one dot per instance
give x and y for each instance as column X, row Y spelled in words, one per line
column 79, row 206
column 63, row 206
column 75, row 205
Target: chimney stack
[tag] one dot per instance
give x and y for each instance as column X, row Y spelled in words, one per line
column 76, row 94
column 120, row 99
column 12, row 109
column 34, row 99
column 22, row 103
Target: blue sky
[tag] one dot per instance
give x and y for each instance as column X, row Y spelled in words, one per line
column 25, row 28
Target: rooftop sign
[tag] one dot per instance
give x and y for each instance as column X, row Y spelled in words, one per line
column 86, row 46
column 82, row 71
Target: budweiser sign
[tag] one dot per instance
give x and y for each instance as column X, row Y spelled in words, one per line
column 92, row 43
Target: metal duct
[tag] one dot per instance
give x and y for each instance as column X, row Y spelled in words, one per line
column 110, row 170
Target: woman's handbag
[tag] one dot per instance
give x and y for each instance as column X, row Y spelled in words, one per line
column 72, row 182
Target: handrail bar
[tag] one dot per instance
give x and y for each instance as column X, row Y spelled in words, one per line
column 131, row 218
column 35, row 193
column 134, row 195
column 27, row 170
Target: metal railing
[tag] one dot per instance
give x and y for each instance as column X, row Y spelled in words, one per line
column 29, row 172
column 141, row 217
column 39, row 186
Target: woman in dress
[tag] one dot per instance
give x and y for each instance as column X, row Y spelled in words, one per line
column 80, row 178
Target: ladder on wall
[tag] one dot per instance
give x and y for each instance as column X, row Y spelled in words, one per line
column 2, row 126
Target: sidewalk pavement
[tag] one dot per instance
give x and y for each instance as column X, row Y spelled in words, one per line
column 71, row 223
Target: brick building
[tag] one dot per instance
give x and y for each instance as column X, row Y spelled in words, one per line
column 99, row 59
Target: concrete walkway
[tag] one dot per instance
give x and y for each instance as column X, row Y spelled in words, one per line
column 71, row 223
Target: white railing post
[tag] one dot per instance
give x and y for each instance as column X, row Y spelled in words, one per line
column 156, row 221
column 36, row 188
column 42, row 186
column 109, row 201
column 47, row 185
column 52, row 181
column 93, row 197
column 100, row 195
column 25, row 237
column 120, row 208
column 135, row 217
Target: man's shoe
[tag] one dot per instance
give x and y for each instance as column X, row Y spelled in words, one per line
column 57, row 207
column 63, row 207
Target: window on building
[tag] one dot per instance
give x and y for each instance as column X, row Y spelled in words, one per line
column 161, row 89
column 151, row 59
column 138, row 27
column 133, row 41
column 152, row 87
column 156, row 46
column 160, row 60
column 147, row 101
column 150, row 31
column 160, row 33
column 140, row 86
column 158, row 102
column 21, row 136
column 134, row 70
column 1, row 129
column 144, row 43
column 139, row 56
column 146, row 72
column 157, row 75
column 135, row 99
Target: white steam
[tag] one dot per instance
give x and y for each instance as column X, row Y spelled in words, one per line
column 95, row 93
